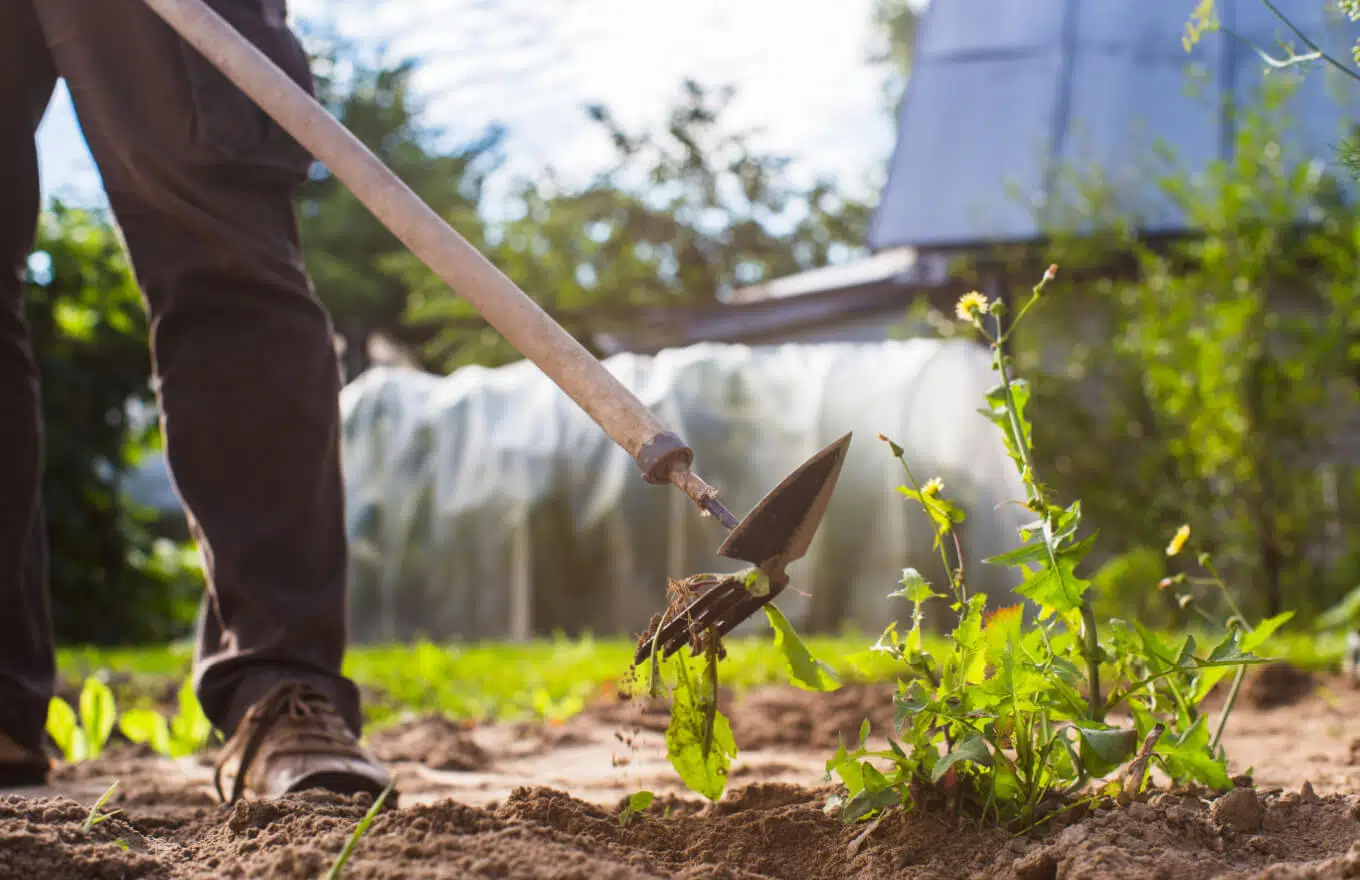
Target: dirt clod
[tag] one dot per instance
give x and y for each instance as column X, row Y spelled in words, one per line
column 432, row 740
column 1238, row 810
column 1278, row 684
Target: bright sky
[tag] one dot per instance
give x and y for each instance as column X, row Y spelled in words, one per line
column 799, row 66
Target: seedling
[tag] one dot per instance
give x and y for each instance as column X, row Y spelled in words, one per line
column 359, row 831
column 1011, row 722
column 636, row 806
column 183, row 735
column 84, row 737
column 95, row 817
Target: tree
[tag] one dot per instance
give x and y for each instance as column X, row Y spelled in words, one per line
column 684, row 216
column 345, row 247
column 111, row 580
column 896, row 23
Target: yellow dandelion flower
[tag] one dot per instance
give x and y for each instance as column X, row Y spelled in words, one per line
column 1178, row 542
column 934, row 486
column 971, row 306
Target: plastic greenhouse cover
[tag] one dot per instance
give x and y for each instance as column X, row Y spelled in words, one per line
column 486, row 504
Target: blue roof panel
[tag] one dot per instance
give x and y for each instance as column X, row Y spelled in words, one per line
column 956, row 115
column 1005, row 92
column 960, row 27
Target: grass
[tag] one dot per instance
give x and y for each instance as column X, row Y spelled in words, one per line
column 550, row 679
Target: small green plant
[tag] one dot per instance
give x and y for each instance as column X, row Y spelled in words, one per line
column 1013, row 722
column 84, row 737
column 95, row 816
column 359, row 831
column 184, row 734
column 636, row 806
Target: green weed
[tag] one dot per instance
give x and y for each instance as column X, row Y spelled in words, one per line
column 83, row 737
column 636, row 806
column 183, row 735
column 359, row 831
column 1011, row 722
column 94, row 817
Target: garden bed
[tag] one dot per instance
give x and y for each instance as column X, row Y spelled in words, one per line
column 543, row 801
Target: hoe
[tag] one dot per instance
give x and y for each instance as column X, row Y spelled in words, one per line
column 774, row 534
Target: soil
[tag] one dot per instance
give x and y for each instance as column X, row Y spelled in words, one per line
column 543, row 803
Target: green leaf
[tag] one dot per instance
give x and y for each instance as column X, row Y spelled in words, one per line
column 1035, row 553
column 1104, row 749
column 848, row 768
column 146, row 726
column 809, row 673
column 65, row 731
column 190, row 728
column 685, row 737
column 1058, row 589
column 1263, row 631
column 868, row 802
column 915, row 588
column 1188, row 757
column 97, row 714
column 638, row 803
column 972, row 748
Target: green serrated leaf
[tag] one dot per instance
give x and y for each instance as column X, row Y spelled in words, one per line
column 808, row 673
column 915, row 588
column 1056, row 589
column 1188, row 757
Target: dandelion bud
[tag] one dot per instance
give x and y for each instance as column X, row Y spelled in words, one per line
column 1178, row 541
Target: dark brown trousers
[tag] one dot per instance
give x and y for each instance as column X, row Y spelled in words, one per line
column 202, row 186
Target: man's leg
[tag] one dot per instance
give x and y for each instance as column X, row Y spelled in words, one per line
column 202, row 184
column 26, row 662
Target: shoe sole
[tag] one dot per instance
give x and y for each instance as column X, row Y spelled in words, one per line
column 344, row 784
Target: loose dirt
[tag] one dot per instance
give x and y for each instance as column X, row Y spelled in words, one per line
column 543, row 803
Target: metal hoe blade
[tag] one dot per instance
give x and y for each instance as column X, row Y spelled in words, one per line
column 776, row 533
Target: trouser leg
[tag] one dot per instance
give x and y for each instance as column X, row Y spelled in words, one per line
column 202, row 185
column 26, row 646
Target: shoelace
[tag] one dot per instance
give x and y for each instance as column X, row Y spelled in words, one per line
column 297, row 702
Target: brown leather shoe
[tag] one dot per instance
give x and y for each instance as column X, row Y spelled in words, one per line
column 293, row 739
column 21, row 767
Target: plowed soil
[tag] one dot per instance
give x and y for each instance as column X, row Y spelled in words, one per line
column 543, row 803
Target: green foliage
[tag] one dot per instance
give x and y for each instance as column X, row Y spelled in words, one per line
column 111, row 580
column 682, row 218
column 349, row 253
column 1010, row 722
column 1204, row 19
column 83, row 737
column 1213, row 373
column 805, row 671
column 699, row 741
column 182, row 735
